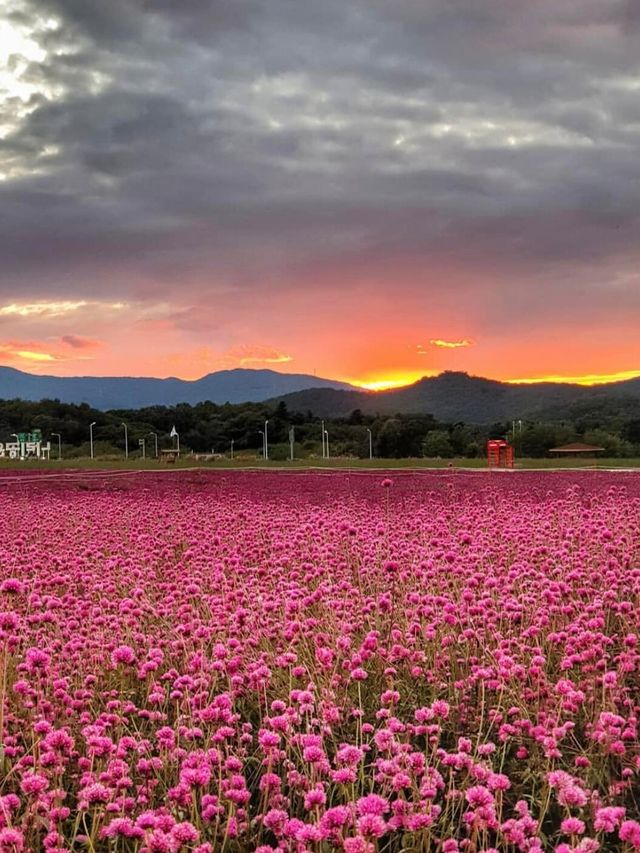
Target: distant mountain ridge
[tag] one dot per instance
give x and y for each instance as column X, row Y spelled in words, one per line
column 106, row 392
column 449, row 397
column 453, row 396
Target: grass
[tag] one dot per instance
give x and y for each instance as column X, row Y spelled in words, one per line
column 249, row 462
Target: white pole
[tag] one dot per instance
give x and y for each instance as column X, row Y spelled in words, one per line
column 370, row 444
column 292, row 439
column 126, row 442
column 19, row 443
column 266, row 440
column 91, row 426
column 232, row 448
column 326, row 433
column 324, row 455
column 155, row 435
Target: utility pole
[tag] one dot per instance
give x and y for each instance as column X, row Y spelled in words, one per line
column 370, row 444
column 326, row 442
column 266, row 440
column 126, row 441
column 232, row 448
column 141, row 442
column 292, row 439
column 91, row 426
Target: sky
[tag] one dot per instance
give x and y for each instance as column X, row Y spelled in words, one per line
column 369, row 190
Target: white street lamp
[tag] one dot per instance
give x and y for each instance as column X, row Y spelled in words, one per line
column 126, row 441
column 18, row 442
column 266, row 440
column 91, row 426
column 59, row 437
column 232, row 448
column 174, row 434
column 292, row 441
column 326, row 442
column 370, row 444
column 142, row 444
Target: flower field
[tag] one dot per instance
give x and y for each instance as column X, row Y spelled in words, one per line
column 315, row 662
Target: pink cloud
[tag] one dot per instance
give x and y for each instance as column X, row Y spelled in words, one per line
column 252, row 354
column 78, row 342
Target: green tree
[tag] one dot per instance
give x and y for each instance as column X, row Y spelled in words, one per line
column 437, row 444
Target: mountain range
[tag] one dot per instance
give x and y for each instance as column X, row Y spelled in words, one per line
column 453, row 396
column 449, row 397
column 124, row 392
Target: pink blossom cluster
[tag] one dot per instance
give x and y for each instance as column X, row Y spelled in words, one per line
column 314, row 662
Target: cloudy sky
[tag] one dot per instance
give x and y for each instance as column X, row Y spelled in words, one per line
column 372, row 189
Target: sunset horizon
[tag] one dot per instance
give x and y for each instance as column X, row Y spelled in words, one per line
column 391, row 382
column 372, row 192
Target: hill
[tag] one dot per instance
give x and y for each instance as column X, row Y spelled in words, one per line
column 455, row 397
column 225, row 386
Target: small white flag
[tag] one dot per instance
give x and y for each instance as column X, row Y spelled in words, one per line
column 174, row 432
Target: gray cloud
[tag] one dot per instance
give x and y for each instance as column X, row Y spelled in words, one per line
column 254, row 141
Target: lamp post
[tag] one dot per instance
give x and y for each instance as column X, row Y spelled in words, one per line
column 18, row 442
column 91, row 426
column 326, row 442
column 59, row 437
column 232, row 448
column 266, row 440
column 155, row 435
column 370, row 444
column 324, row 455
column 292, row 441
column 142, row 444
column 174, row 434
column 126, row 441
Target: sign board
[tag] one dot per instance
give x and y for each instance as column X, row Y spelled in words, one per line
column 28, row 446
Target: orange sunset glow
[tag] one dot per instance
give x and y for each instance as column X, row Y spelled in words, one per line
column 272, row 191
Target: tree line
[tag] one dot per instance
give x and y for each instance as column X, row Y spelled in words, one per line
column 210, row 428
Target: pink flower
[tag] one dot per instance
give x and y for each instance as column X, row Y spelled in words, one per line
column 34, row 783
column 572, row 826
column 478, row 796
column 608, row 818
column 371, row 826
column 373, row 804
column 123, row 654
column 630, row 832
column 11, row 840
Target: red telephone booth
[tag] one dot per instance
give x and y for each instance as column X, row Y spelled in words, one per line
column 499, row 454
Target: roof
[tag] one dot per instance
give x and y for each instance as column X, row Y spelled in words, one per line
column 576, row 447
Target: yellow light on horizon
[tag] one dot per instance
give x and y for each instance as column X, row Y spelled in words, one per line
column 28, row 355
column 389, row 382
column 587, row 379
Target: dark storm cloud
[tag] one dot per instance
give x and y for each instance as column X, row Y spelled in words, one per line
column 254, row 141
